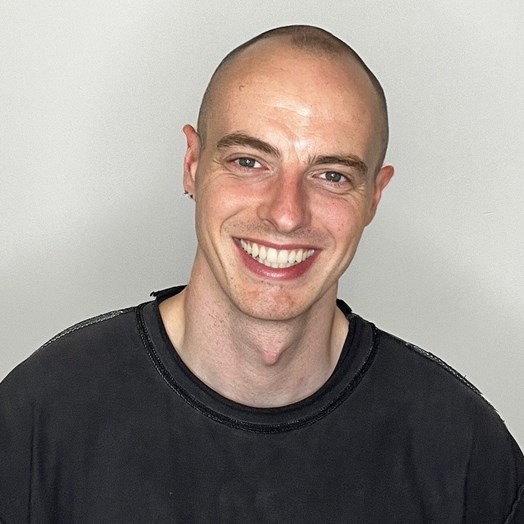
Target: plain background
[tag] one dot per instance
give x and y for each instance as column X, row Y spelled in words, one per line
column 93, row 98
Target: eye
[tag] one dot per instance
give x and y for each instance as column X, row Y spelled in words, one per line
column 248, row 163
column 333, row 176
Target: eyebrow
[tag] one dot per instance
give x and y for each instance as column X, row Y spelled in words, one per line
column 343, row 160
column 242, row 139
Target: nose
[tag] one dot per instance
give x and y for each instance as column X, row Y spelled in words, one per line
column 285, row 203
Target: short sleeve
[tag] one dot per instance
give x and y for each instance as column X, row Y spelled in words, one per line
column 15, row 449
column 517, row 512
column 495, row 475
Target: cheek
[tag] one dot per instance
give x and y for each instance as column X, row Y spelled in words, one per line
column 224, row 194
column 216, row 202
column 342, row 217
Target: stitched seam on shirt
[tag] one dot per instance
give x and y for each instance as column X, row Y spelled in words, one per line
column 465, row 492
column 65, row 332
column 164, row 373
column 250, row 426
column 85, row 323
column 514, row 507
column 446, row 367
column 443, row 365
column 31, row 465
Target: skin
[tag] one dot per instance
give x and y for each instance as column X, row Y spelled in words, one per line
column 289, row 162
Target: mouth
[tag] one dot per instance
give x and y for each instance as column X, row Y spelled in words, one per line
column 275, row 258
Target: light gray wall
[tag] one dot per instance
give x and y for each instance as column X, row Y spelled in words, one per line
column 93, row 97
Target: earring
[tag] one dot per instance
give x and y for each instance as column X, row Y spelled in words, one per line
column 186, row 193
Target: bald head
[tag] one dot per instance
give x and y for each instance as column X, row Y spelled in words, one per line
column 313, row 41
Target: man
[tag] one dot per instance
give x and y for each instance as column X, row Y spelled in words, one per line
column 252, row 394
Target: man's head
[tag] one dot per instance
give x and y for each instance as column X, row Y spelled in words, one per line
column 310, row 39
column 286, row 171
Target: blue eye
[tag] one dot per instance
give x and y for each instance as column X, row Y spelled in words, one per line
column 333, row 176
column 249, row 163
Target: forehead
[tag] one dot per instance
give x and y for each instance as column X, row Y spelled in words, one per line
column 298, row 92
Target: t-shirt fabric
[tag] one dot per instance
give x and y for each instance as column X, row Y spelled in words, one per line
column 106, row 424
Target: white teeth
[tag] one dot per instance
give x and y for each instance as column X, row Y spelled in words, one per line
column 272, row 255
column 282, row 257
column 275, row 258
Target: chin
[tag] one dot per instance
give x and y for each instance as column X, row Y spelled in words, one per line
column 270, row 308
column 271, row 314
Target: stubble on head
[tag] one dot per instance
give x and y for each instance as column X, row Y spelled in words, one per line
column 311, row 40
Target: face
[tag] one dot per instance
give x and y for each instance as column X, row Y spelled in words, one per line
column 286, row 180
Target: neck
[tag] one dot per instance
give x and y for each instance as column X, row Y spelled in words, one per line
column 260, row 363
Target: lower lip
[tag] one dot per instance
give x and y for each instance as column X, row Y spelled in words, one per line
column 284, row 273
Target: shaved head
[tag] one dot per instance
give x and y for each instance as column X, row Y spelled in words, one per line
column 311, row 40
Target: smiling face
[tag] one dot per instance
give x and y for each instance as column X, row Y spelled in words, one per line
column 286, row 180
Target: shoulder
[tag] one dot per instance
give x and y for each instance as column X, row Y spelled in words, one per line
column 76, row 351
column 89, row 326
column 426, row 376
column 446, row 419
column 68, row 386
column 436, row 396
column 432, row 402
column 89, row 367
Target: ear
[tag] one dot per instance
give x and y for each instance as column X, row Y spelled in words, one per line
column 382, row 179
column 191, row 158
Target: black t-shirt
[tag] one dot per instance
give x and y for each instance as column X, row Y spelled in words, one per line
column 105, row 424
